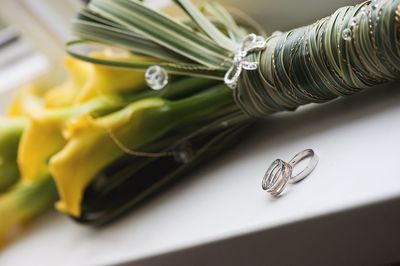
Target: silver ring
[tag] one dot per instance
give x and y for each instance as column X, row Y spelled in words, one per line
column 310, row 167
column 277, row 177
column 280, row 172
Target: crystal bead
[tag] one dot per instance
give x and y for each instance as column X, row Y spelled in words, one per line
column 376, row 22
column 354, row 21
column 156, row 77
column 346, row 34
column 374, row 4
column 364, row 11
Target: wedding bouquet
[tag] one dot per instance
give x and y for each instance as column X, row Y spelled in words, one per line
column 150, row 97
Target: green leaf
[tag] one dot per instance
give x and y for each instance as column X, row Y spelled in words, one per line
column 162, row 30
column 219, row 13
column 81, row 49
column 114, row 36
column 206, row 25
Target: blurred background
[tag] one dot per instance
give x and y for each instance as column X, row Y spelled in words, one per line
column 32, row 36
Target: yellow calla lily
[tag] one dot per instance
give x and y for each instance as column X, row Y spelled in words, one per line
column 105, row 80
column 79, row 73
column 27, row 101
column 85, row 82
column 43, row 137
column 94, row 143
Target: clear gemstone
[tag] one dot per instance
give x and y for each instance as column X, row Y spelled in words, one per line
column 364, row 11
column 354, row 21
column 346, row 34
column 156, row 77
column 374, row 4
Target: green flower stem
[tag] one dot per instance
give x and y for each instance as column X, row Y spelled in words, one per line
column 96, row 144
column 23, row 202
column 177, row 89
column 206, row 106
column 186, row 87
column 125, row 184
column 11, row 130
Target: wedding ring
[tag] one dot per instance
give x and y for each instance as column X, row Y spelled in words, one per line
column 308, row 153
column 279, row 173
column 276, row 177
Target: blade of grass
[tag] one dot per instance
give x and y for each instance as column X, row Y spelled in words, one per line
column 218, row 12
column 81, row 49
column 124, row 39
column 162, row 30
column 206, row 25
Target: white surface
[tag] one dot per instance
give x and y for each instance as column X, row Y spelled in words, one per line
column 356, row 140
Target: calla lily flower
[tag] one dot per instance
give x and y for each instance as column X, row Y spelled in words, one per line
column 77, row 96
column 105, row 80
column 43, row 136
column 94, row 143
column 88, row 81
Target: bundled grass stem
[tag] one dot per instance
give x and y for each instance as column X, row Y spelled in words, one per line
column 355, row 48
